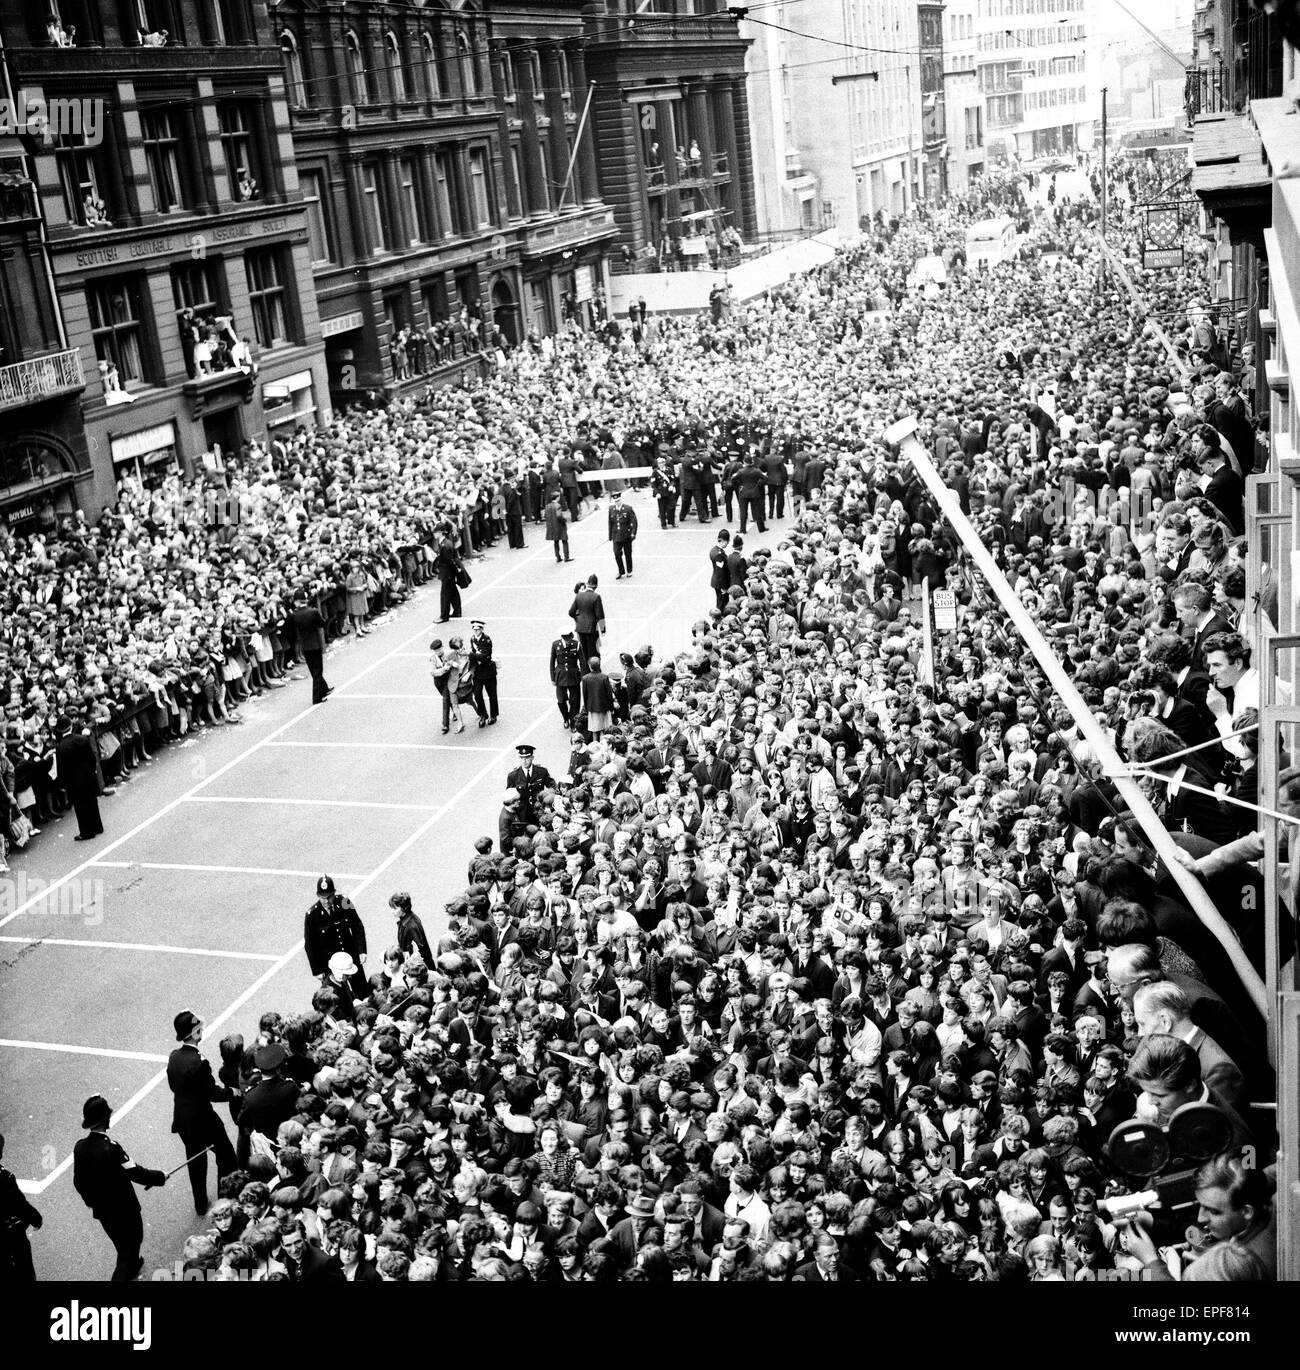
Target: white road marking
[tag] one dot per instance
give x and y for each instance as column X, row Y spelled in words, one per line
column 143, row 946
column 391, row 747
column 210, row 870
column 81, row 1051
column 314, row 803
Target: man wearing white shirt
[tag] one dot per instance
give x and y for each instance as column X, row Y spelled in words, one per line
column 1234, row 685
column 744, row 1205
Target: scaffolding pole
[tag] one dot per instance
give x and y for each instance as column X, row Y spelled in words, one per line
column 903, row 435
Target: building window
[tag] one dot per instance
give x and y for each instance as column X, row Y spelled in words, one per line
column 295, row 82
column 548, row 187
column 442, row 183
column 413, row 199
column 363, row 85
column 229, row 23
column 196, row 286
column 471, row 75
column 267, row 297
column 237, row 146
column 85, row 193
column 432, row 66
column 372, row 189
column 318, row 226
column 395, row 60
column 158, row 24
column 159, row 128
column 116, row 325
column 480, row 187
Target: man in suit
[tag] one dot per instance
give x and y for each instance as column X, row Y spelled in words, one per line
column 1226, row 414
column 1163, row 1007
column 1167, row 1071
column 1067, row 957
column 622, row 533
column 194, row 1121
column 720, row 578
column 309, row 623
column 484, row 671
column 568, row 469
column 448, row 567
column 1174, row 546
column 588, row 615
column 1226, row 489
column 332, row 924
column 748, row 483
column 775, row 477
column 825, row 1267
column 566, row 676
column 77, row 771
column 102, row 1173
column 1196, row 613
column 737, row 564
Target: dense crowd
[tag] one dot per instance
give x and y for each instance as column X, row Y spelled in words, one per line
column 807, row 968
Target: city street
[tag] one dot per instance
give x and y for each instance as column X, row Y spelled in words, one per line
column 194, row 897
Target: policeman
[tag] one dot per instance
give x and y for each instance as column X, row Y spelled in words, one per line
column 270, row 1102
column 194, row 1120
column 530, row 780
column 16, row 1216
column 566, row 676
column 483, row 673
column 102, row 1173
column 331, row 925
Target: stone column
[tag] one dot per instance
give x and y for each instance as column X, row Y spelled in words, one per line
column 552, row 79
column 536, row 202
column 588, row 174
column 513, row 203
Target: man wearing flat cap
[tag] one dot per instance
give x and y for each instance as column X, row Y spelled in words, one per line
column 331, row 925
column 102, row 1173
column 194, row 1120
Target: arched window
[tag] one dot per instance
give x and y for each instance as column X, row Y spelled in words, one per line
column 295, row 83
column 432, row 71
column 471, row 75
column 358, row 68
column 394, row 60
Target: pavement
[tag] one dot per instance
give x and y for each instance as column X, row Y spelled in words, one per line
column 194, row 897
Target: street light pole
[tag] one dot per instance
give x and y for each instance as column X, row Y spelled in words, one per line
column 1104, row 190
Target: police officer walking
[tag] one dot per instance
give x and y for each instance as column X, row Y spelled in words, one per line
column 566, row 676
column 332, row 924
column 102, row 1173
column 194, row 1120
column 622, row 532
column 16, row 1216
column 483, row 673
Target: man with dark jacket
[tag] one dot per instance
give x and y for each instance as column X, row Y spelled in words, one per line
column 749, row 493
column 411, row 935
column 102, row 1173
column 622, row 532
column 737, row 565
column 720, row 580
column 447, row 566
column 691, row 473
column 270, row 1102
column 16, row 1216
column 775, row 477
column 309, row 624
column 331, row 925
column 77, row 772
column 484, row 672
column 588, row 615
column 566, row 676
column 194, row 1120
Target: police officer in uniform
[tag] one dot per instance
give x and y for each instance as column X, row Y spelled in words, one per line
column 270, row 1102
column 484, row 674
column 622, row 532
column 530, row 780
column 16, row 1216
column 194, row 1120
column 332, row 924
column 102, row 1173
column 566, row 676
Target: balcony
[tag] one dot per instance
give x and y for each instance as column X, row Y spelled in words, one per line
column 41, row 378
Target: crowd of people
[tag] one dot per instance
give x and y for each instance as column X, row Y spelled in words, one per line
column 806, row 967
column 810, row 964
